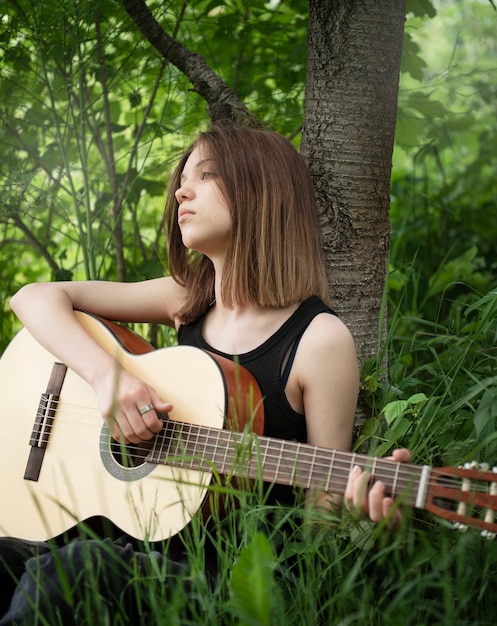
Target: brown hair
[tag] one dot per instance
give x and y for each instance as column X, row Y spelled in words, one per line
column 274, row 258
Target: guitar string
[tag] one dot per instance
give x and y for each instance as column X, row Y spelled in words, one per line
column 306, row 454
column 318, row 468
column 347, row 460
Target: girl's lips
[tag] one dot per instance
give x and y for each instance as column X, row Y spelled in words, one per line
column 183, row 214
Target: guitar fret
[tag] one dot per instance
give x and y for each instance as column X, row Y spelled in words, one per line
column 268, row 473
column 169, row 428
column 175, row 442
column 395, row 480
column 215, row 452
column 353, row 460
column 185, row 446
column 310, row 473
column 155, row 456
column 294, row 467
column 229, row 452
column 205, row 441
column 330, row 469
column 223, row 464
column 373, row 468
column 211, row 443
column 174, row 448
column 264, row 455
column 280, row 456
column 196, row 448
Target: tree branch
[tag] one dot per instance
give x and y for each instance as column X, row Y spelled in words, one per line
column 117, row 205
column 36, row 243
column 223, row 105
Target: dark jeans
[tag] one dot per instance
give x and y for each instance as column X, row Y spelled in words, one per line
column 42, row 579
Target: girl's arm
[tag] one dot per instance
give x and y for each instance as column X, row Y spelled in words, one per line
column 329, row 378
column 46, row 310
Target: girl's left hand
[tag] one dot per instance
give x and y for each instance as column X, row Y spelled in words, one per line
column 363, row 499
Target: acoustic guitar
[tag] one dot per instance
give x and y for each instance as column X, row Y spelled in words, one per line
column 59, row 465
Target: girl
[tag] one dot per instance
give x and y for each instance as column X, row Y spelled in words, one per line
column 247, row 280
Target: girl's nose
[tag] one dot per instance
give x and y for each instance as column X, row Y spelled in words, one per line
column 183, row 193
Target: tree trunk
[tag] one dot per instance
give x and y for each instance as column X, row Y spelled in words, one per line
column 353, row 65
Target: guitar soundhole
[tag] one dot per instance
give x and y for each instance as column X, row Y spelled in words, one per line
column 125, row 462
column 130, row 455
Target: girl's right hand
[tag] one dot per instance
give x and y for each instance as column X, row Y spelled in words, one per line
column 125, row 407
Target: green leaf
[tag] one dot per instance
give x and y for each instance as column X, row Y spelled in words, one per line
column 410, row 131
column 428, row 108
column 252, row 585
column 412, row 62
column 461, row 269
column 394, row 409
column 399, row 428
column 417, row 398
column 421, row 8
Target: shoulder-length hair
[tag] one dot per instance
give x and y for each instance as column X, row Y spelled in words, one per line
column 274, row 258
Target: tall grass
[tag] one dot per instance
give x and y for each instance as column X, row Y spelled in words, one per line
column 277, row 565
column 442, row 384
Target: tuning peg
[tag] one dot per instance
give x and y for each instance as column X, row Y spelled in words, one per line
column 462, row 528
column 489, row 535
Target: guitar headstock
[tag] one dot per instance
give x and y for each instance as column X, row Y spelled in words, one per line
column 466, row 496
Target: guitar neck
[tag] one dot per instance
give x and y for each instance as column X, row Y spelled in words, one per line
column 285, row 462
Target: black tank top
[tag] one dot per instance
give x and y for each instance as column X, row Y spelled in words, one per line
column 268, row 366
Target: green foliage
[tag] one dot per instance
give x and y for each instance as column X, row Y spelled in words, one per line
column 440, row 398
column 441, row 288
column 92, row 122
column 443, row 207
column 252, row 585
column 76, row 135
column 282, row 569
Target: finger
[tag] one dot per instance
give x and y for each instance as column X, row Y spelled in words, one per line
column 376, row 501
column 149, row 410
column 121, row 429
column 130, row 426
column 142, row 422
column 402, row 455
column 358, row 491
column 133, row 429
column 361, row 498
column 391, row 513
column 355, row 472
column 151, row 418
column 159, row 405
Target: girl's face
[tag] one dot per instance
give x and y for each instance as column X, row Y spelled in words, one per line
column 204, row 217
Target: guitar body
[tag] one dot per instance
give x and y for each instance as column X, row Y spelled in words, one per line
column 79, row 475
column 59, row 465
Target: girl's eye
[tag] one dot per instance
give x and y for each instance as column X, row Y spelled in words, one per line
column 207, row 175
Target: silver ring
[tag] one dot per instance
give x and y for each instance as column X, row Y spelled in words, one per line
column 145, row 409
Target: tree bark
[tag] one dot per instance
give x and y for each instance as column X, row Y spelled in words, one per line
column 353, row 66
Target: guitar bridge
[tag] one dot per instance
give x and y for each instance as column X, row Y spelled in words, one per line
column 43, row 422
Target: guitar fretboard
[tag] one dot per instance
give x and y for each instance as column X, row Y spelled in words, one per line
column 276, row 460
